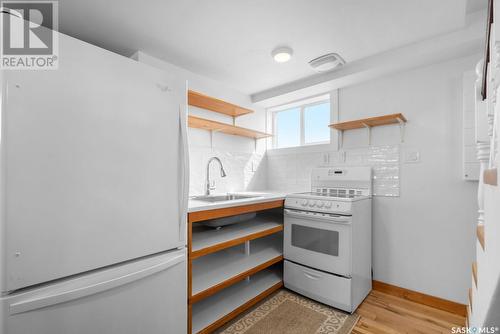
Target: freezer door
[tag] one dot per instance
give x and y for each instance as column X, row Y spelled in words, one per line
column 146, row 296
column 94, row 162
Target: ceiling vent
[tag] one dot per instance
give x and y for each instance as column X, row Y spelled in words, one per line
column 327, row 62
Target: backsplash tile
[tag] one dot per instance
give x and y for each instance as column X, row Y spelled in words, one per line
column 292, row 171
column 245, row 170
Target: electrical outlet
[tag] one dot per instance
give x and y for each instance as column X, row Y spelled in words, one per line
column 412, row 156
column 326, row 158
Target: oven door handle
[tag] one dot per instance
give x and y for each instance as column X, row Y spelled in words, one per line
column 333, row 218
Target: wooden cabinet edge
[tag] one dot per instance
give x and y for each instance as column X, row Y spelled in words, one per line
column 228, row 317
column 232, row 211
column 474, row 272
column 490, row 177
column 480, row 234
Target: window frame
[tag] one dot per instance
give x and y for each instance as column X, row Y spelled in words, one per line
column 302, row 107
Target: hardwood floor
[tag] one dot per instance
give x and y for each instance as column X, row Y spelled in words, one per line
column 384, row 313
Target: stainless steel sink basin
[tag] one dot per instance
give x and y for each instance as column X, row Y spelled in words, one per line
column 222, row 198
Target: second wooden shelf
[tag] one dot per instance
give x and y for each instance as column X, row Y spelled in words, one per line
column 207, row 240
column 206, row 124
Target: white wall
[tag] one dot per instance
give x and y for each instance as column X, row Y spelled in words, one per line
column 243, row 161
column 423, row 240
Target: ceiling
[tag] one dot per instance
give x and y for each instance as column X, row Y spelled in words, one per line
column 231, row 40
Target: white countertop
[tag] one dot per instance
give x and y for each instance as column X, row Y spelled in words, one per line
column 261, row 196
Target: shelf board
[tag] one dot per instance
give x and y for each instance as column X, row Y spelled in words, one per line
column 215, row 310
column 206, row 124
column 480, row 234
column 210, row 103
column 370, row 122
column 198, row 216
column 470, row 299
column 217, row 271
column 490, row 176
column 207, row 240
column 474, row 272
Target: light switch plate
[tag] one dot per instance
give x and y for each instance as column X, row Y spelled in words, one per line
column 412, row 156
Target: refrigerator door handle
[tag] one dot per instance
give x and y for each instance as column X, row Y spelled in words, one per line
column 184, row 188
column 66, row 295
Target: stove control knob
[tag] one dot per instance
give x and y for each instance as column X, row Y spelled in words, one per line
column 312, row 203
column 328, row 205
column 304, row 202
column 320, row 204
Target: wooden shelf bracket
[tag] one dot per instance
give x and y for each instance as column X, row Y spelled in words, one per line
column 402, row 129
column 369, row 128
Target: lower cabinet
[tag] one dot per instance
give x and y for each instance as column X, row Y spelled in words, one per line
column 232, row 267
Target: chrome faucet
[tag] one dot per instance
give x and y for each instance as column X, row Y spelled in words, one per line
column 211, row 185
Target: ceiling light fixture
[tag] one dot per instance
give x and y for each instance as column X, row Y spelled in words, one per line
column 282, row 54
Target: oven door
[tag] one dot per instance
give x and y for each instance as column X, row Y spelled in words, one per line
column 317, row 240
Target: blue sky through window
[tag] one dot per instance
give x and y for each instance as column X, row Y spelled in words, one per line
column 288, row 128
column 316, row 121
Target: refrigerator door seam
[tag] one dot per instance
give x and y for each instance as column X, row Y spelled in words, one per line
column 184, row 172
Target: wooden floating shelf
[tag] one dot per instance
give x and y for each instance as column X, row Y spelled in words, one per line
column 220, row 270
column 210, row 103
column 370, row 122
column 480, row 234
column 210, row 240
column 206, row 124
column 474, row 272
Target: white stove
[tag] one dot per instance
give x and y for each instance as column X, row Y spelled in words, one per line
column 327, row 238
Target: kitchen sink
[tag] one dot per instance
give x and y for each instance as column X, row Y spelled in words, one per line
column 222, row 198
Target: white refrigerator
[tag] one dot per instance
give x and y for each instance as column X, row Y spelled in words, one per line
column 94, row 181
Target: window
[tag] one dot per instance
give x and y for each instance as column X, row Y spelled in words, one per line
column 287, row 130
column 303, row 124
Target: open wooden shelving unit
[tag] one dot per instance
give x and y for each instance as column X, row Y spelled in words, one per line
column 232, row 268
column 222, row 107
